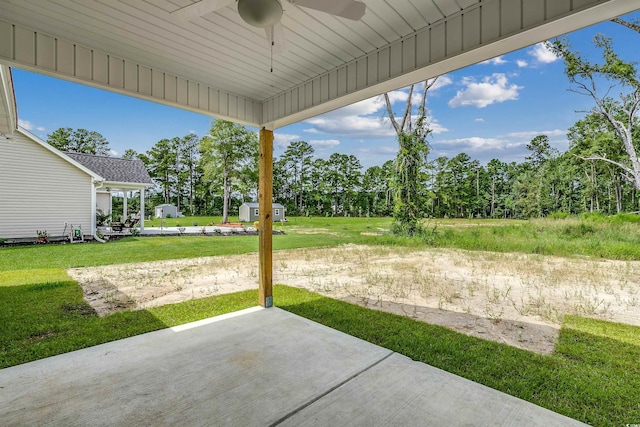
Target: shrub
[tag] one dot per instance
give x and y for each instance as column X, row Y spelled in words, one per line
column 102, row 218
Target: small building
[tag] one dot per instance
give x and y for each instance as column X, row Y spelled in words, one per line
column 249, row 212
column 166, row 210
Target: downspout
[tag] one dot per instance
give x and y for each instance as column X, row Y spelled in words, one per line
column 94, row 229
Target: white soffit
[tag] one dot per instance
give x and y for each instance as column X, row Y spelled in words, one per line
column 218, row 65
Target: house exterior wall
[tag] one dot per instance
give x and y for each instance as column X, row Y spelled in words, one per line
column 40, row 191
column 248, row 212
column 163, row 211
column 243, row 213
column 103, row 202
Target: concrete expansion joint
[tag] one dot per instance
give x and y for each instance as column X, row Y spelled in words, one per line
column 330, row 390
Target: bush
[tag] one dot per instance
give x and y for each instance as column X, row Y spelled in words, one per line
column 559, row 215
column 102, row 219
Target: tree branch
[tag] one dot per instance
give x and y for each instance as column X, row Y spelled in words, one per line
column 407, row 110
column 391, row 116
column 613, row 162
column 631, row 25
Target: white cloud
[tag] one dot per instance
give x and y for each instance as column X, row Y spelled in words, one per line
column 534, row 133
column 193, row 132
column 542, row 54
column 443, row 80
column 492, row 89
column 437, row 128
column 479, row 120
column 368, row 118
column 283, row 139
column 522, row 63
column 113, row 153
column 352, row 126
column 498, row 60
column 384, row 150
column 321, row 143
column 475, row 143
column 26, row 124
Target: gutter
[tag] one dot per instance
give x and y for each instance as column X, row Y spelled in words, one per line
column 93, row 211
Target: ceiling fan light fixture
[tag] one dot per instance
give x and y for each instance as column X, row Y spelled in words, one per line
column 260, row 13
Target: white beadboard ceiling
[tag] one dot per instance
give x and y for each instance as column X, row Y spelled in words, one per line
column 219, row 65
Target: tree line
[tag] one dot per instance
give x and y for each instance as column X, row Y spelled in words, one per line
column 198, row 174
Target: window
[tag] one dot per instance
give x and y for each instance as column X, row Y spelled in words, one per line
column 276, row 212
column 255, row 212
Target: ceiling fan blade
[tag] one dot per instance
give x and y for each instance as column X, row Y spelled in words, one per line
column 275, row 35
column 350, row 9
column 196, row 10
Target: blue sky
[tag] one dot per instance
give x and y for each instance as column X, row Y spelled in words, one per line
column 488, row 110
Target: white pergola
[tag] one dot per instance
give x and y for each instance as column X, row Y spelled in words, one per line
column 218, row 65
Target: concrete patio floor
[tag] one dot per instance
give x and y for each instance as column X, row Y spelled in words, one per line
column 257, row 367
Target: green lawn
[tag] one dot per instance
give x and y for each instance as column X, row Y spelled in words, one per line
column 593, row 375
column 562, row 237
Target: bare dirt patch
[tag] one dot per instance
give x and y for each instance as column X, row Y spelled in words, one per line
column 511, row 298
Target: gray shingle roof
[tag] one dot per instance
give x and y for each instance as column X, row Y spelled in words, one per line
column 255, row 205
column 114, row 169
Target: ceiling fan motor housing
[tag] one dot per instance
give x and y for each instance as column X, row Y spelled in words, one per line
column 260, row 13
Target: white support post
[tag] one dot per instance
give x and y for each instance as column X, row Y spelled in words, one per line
column 124, row 206
column 141, row 209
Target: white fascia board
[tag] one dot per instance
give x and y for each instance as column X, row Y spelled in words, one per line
column 128, row 185
column 7, row 97
column 34, row 138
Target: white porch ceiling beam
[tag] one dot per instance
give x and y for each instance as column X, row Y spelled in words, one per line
column 479, row 32
column 29, row 49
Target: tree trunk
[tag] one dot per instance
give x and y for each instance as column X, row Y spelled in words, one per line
column 225, row 198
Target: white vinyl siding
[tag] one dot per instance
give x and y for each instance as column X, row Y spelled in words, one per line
column 103, row 202
column 40, row 191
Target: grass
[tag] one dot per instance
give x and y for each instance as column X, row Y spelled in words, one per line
column 561, row 237
column 140, row 249
column 41, row 320
column 593, row 376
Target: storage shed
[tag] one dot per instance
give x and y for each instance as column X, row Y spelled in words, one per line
column 249, row 212
column 166, row 211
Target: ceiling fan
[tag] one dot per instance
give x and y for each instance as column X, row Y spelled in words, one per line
column 267, row 13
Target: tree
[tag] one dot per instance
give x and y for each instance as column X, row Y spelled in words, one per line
column 191, row 172
column 79, row 141
column 229, row 158
column 130, row 154
column 540, row 150
column 160, row 162
column 412, row 155
column 296, row 162
column 621, row 114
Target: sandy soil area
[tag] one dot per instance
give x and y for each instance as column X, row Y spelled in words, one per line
column 511, row 298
